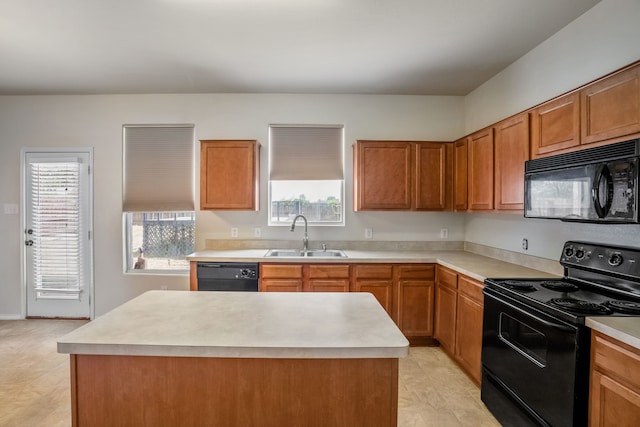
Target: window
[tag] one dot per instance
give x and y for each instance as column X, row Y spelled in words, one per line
column 158, row 197
column 306, row 175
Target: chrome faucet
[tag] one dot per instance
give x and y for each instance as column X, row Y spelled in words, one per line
column 305, row 239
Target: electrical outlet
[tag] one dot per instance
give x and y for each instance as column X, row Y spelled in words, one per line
column 234, row 231
column 444, row 233
column 368, row 233
column 257, row 232
column 163, row 288
column 525, row 244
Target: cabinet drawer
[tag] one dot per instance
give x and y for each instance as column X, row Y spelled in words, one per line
column 426, row 271
column 471, row 288
column 617, row 360
column 321, row 271
column 281, row 271
column 373, row 271
column 447, row 278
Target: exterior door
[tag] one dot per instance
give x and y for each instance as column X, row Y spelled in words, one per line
column 58, row 248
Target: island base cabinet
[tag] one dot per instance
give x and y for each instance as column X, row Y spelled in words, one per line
column 200, row 391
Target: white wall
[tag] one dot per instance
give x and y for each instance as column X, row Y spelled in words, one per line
column 602, row 40
column 96, row 120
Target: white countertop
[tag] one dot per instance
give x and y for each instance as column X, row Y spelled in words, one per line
column 473, row 265
column 242, row 325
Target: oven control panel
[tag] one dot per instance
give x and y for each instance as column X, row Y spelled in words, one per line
column 604, row 258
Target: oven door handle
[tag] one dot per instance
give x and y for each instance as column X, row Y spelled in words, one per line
column 547, row 323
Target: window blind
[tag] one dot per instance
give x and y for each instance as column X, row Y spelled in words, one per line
column 306, row 152
column 158, row 168
column 57, row 227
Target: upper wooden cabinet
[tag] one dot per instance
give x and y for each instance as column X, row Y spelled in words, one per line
column 460, row 180
column 402, row 175
column 610, row 108
column 434, row 173
column 480, row 170
column 555, row 125
column 511, row 151
column 229, row 175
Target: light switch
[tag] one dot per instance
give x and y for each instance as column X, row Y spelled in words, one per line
column 11, row 209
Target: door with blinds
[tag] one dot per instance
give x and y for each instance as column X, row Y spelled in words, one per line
column 58, row 249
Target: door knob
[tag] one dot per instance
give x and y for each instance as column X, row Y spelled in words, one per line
column 28, row 242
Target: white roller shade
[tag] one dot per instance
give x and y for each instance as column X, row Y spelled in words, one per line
column 306, row 152
column 158, row 168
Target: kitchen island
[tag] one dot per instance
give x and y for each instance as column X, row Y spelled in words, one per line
column 171, row 358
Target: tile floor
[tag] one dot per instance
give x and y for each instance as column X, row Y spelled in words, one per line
column 34, row 382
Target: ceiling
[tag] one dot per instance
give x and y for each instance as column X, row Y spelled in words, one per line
column 421, row 47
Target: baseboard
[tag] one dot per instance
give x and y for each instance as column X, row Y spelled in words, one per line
column 11, row 317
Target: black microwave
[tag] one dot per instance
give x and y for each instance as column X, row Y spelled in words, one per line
column 598, row 185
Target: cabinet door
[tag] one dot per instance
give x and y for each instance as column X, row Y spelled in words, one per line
column 555, row 125
column 281, row 278
column 469, row 327
column 383, row 173
column 228, row 175
column 446, row 295
column 328, row 278
column 480, row 170
column 434, row 167
column 611, row 403
column 610, row 108
column 511, row 151
column 460, row 180
column 415, row 300
column 376, row 279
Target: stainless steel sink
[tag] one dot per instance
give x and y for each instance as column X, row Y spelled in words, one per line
column 293, row 253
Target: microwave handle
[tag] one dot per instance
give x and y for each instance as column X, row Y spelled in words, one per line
column 602, row 172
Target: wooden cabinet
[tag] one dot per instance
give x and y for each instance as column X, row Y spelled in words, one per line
column 458, row 319
column 480, row 170
column 415, row 301
column 328, row 278
column 304, row 278
column 376, row 279
column 511, row 151
column 281, row 278
column 610, row 108
column 402, row 175
column 383, row 175
column 555, row 125
column 460, row 180
column 229, row 175
column 615, row 383
column 434, row 175
column 469, row 326
column 445, row 308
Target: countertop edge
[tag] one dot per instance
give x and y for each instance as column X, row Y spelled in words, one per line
column 623, row 329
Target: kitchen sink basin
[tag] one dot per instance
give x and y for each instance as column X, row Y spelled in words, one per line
column 292, row 253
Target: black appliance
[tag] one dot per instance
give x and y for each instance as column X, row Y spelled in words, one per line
column 227, row 276
column 535, row 345
column 594, row 185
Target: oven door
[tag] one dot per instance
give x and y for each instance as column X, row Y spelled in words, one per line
column 533, row 365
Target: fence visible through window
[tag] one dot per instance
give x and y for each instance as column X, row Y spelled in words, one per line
column 162, row 240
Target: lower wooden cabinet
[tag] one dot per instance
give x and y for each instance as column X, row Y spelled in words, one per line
column 304, row 277
column 615, row 383
column 445, row 310
column 458, row 319
column 415, row 302
column 376, row 279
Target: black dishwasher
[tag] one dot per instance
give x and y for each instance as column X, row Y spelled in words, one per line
column 227, row 276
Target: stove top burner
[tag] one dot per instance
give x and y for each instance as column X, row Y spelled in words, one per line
column 580, row 306
column 559, row 285
column 627, row 307
column 520, row 285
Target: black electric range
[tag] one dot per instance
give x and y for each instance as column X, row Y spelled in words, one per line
column 536, row 347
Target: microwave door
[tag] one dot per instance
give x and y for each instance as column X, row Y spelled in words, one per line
column 565, row 194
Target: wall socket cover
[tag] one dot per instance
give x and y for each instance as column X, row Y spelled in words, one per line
column 234, row 231
column 257, row 232
column 368, row 233
column 444, row 233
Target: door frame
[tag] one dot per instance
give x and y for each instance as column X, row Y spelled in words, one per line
column 23, row 222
